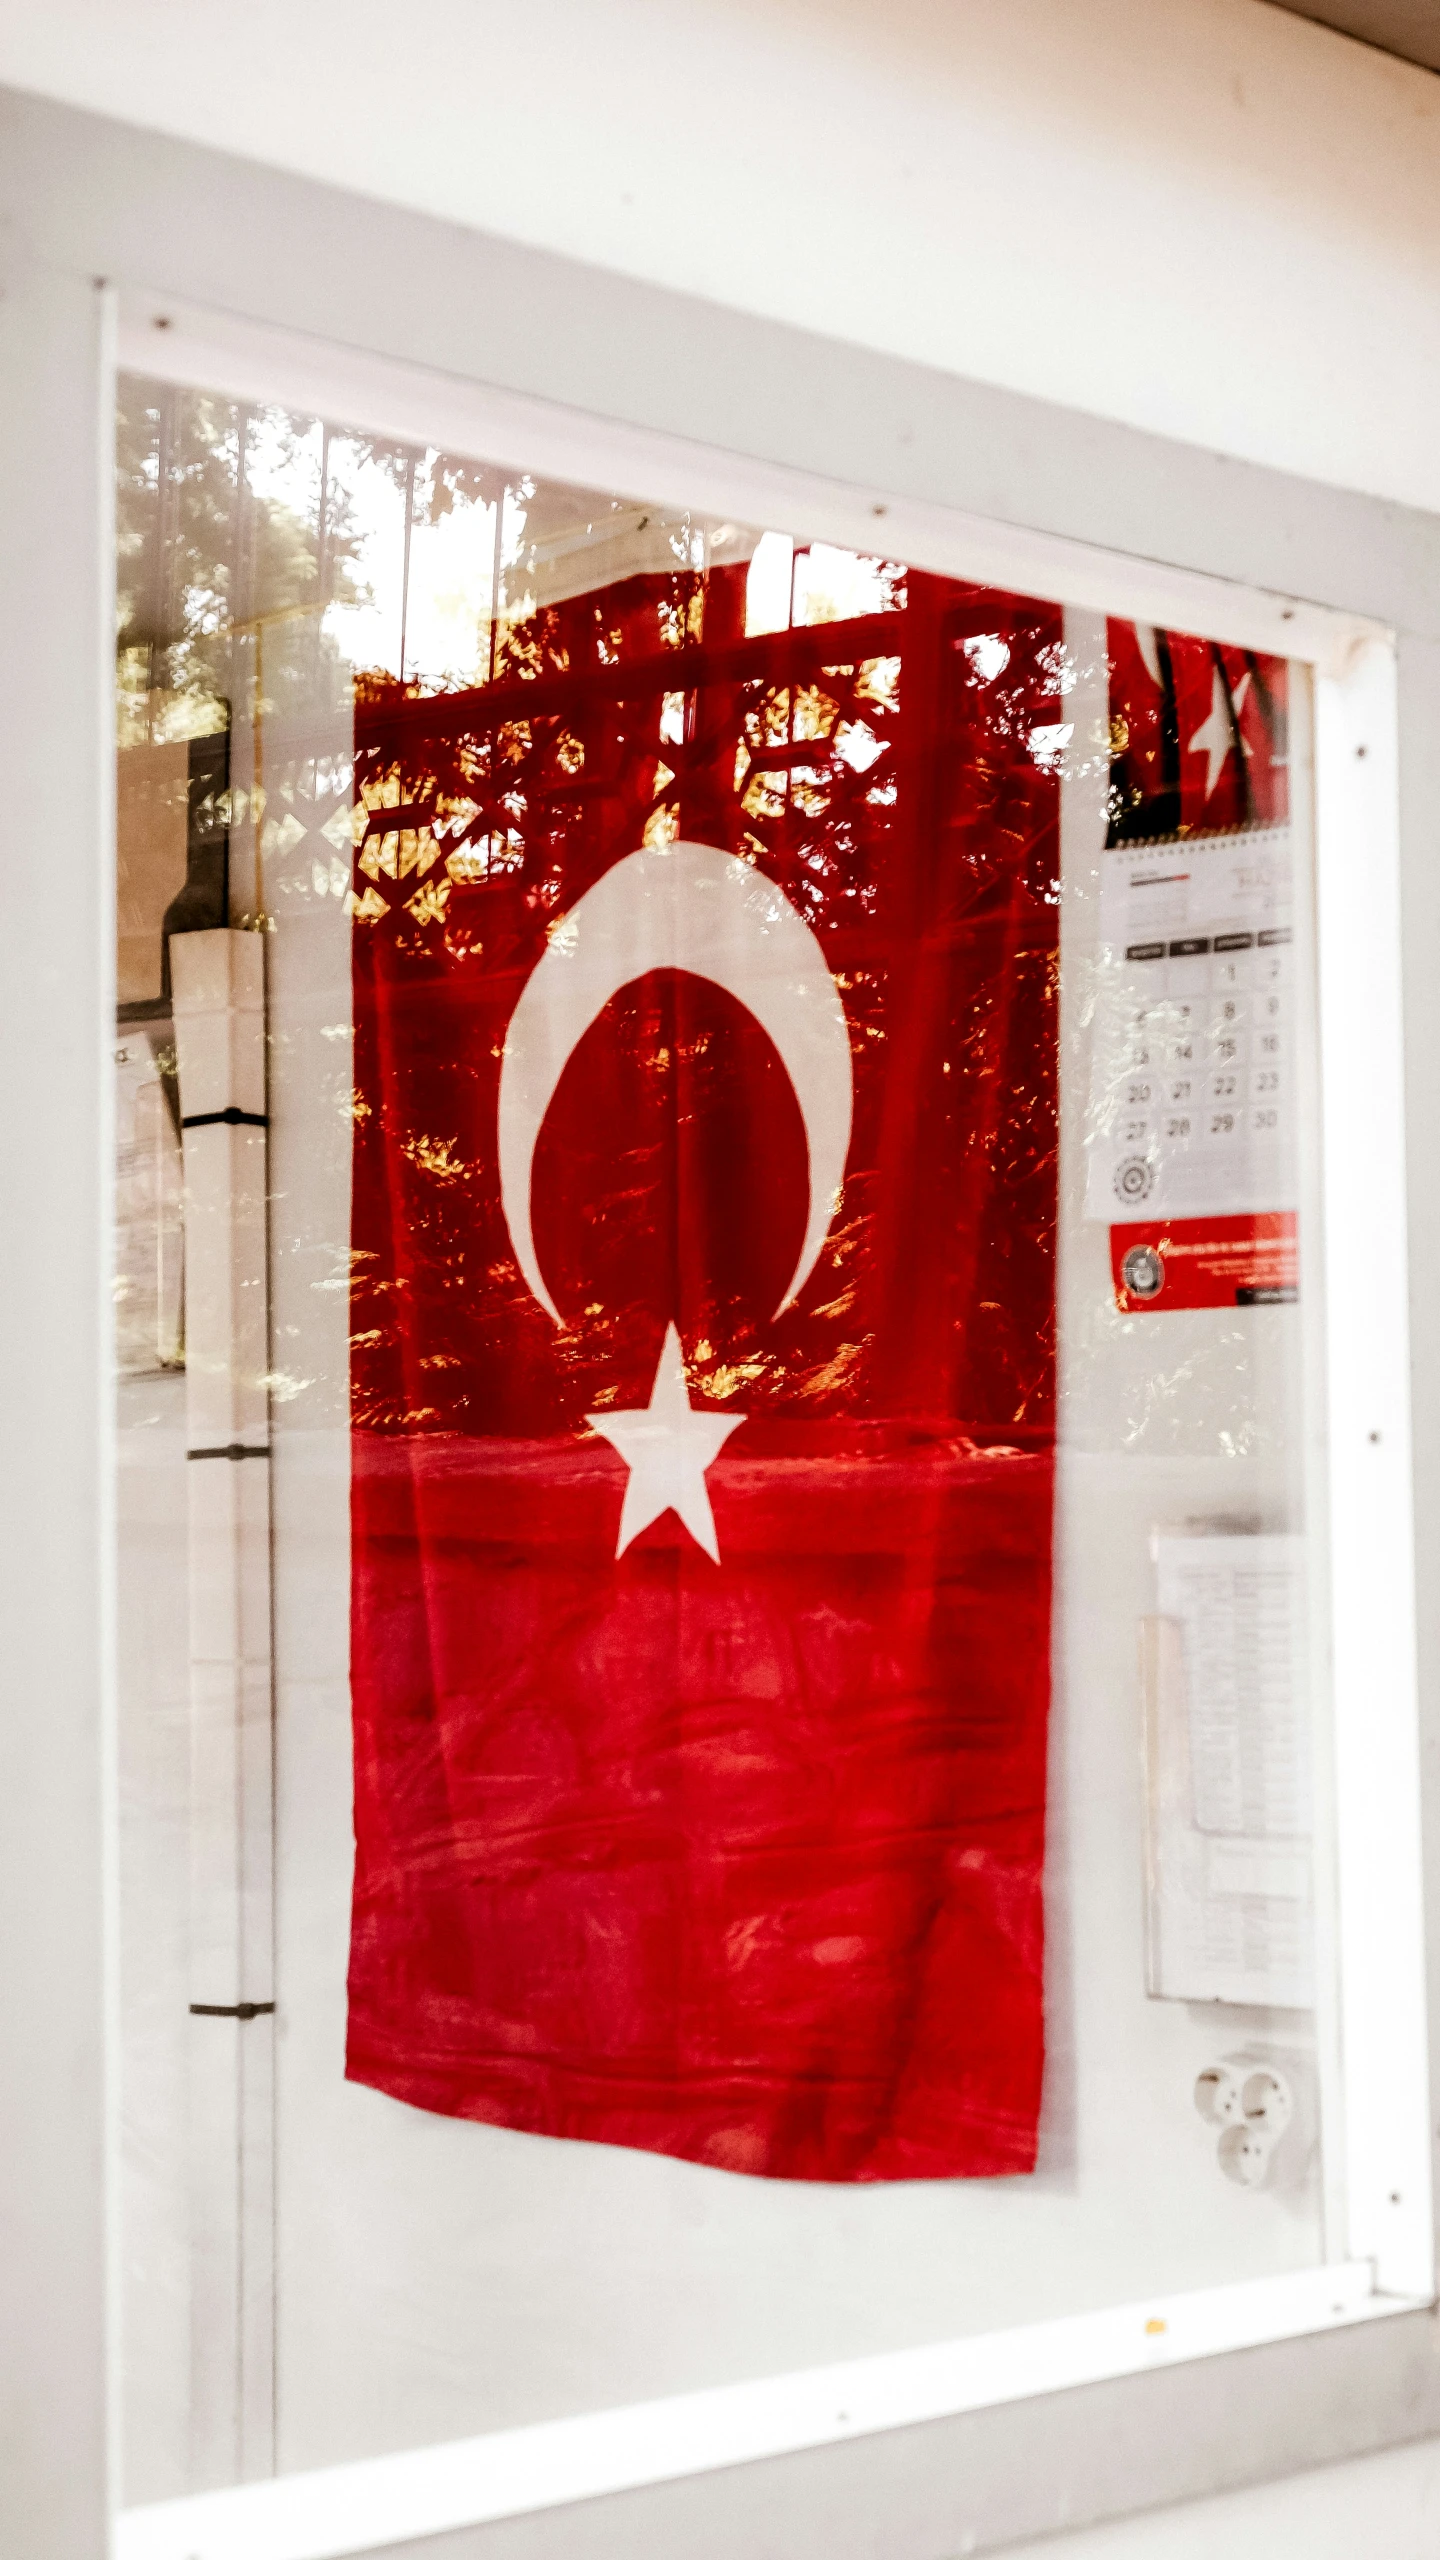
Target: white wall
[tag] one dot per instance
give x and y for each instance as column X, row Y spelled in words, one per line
column 1203, row 216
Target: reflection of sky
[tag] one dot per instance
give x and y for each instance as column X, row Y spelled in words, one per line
column 451, row 562
column 447, row 621
column 819, row 583
column 282, row 460
column 446, row 618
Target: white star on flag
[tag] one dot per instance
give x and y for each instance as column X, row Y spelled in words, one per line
column 667, row 1446
column 1217, row 735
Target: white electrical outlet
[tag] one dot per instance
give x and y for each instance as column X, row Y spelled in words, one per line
column 1251, row 2101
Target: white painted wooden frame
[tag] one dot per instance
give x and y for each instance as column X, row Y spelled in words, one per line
column 1379, row 2185
column 402, row 2498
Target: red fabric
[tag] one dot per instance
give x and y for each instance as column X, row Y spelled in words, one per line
column 740, row 1862
column 1198, row 736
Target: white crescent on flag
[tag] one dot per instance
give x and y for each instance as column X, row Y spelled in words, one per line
column 680, row 906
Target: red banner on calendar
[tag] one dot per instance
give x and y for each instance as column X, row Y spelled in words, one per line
column 1205, row 1262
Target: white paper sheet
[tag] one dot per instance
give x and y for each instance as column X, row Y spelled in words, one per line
column 1191, row 1100
column 1228, row 1768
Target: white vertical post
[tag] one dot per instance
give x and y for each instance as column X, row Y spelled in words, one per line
column 58, row 2006
column 218, row 980
column 1379, row 1850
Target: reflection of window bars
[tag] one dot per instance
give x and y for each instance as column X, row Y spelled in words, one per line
column 220, row 1038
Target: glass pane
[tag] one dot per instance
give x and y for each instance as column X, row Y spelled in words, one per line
column 716, row 1662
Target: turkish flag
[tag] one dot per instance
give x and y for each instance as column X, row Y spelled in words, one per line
column 1198, row 735
column 702, row 1379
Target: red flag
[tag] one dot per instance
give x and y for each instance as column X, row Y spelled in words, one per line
column 1198, row 735
column 702, row 1380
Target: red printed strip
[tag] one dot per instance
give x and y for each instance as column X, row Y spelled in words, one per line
column 1205, row 1262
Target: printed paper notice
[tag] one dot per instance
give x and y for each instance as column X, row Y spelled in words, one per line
column 1227, row 1740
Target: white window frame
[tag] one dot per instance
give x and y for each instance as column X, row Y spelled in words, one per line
column 1381, row 2182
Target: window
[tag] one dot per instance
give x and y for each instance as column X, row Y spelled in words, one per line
column 747, row 1800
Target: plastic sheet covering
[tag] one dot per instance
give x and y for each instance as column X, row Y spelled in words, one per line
column 703, row 1393
column 727, row 1845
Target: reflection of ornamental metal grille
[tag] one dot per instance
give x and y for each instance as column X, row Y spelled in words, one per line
column 795, row 748
column 891, row 773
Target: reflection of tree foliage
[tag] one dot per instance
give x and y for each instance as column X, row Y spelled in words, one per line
column 641, row 711
column 435, row 483
column 204, row 558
